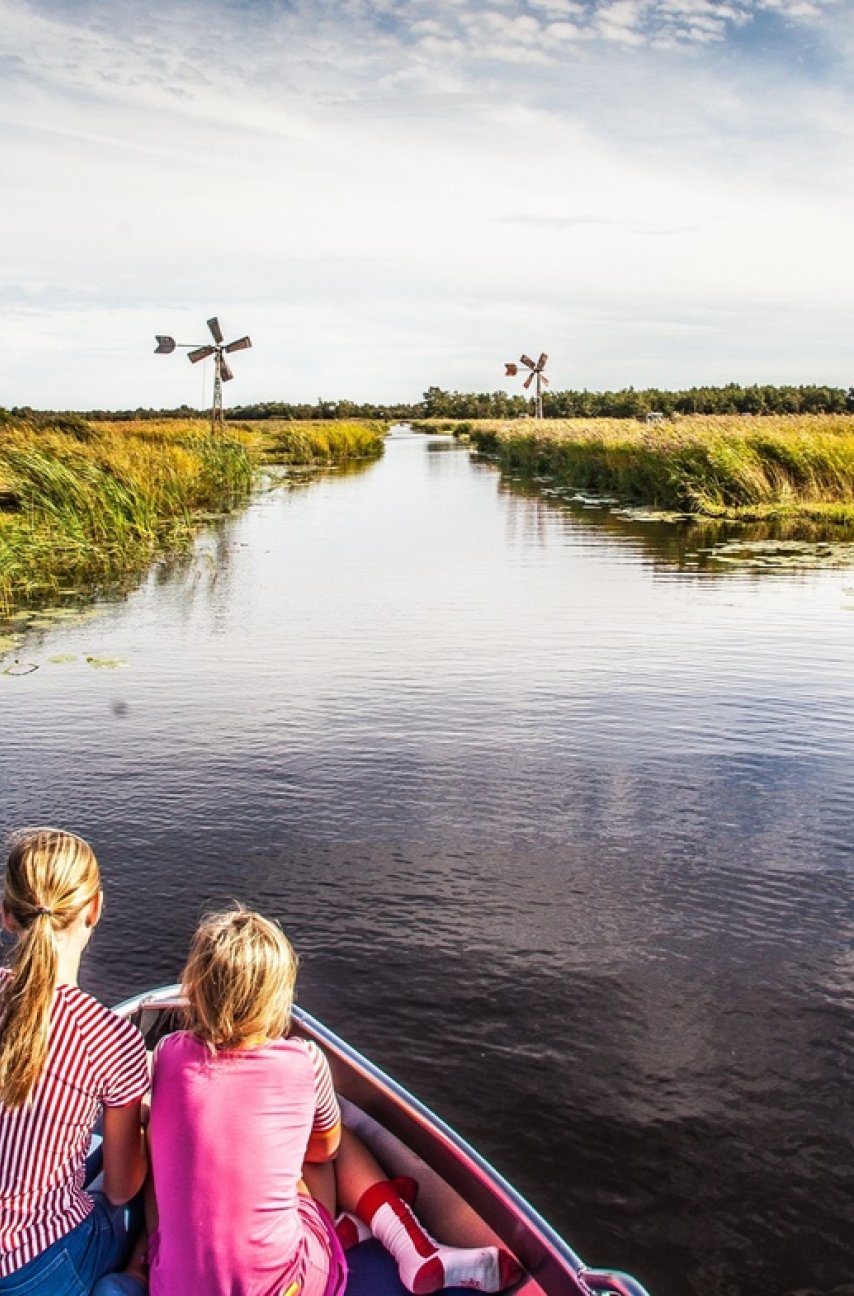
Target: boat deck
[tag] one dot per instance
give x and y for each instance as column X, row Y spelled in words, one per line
column 374, row 1273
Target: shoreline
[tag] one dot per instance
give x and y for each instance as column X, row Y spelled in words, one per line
column 788, row 468
column 87, row 506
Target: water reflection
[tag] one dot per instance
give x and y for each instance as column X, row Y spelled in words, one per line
column 703, row 545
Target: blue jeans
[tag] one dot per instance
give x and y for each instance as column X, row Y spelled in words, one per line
column 73, row 1265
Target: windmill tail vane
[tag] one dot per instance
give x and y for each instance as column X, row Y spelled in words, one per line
column 202, row 351
column 512, row 369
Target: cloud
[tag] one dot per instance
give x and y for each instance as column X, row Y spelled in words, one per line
column 344, row 178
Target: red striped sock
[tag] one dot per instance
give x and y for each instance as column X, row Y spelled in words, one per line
column 425, row 1265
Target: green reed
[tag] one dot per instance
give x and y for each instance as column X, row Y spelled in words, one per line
column 317, row 443
column 718, row 466
column 90, row 504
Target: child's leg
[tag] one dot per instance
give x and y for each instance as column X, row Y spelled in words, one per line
column 319, row 1180
column 423, row 1264
column 356, row 1170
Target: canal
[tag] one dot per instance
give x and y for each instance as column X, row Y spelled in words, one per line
column 556, row 808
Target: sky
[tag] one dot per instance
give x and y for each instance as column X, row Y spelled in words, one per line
column 392, row 194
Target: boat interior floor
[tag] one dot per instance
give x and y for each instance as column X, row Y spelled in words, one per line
column 373, row 1272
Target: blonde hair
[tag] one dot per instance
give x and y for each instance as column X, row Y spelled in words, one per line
column 50, row 878
column 239, row 979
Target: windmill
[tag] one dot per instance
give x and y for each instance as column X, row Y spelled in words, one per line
column 536, row 372
column 200, row 351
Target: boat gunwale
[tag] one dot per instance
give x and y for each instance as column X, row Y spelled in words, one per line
column 560, row 1256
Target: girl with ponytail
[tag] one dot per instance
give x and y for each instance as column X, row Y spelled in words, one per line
column 65, row 1060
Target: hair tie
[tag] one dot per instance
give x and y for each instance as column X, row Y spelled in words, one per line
column 40, row 909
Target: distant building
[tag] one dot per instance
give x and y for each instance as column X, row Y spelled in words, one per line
column 655, row 416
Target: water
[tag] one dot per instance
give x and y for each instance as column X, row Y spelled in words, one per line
column 557, row 815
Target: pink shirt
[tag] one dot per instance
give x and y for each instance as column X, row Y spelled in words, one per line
column 228, row 1136
column 95, row 1059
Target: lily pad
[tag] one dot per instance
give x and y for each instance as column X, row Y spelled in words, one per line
column 783, row 554
column 8, row 643
column 652, row 515
column 59, row 659
column 72, row 615
column 106, row 663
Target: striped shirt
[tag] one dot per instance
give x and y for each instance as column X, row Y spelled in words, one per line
column 327, row 1113
column 94, row 1059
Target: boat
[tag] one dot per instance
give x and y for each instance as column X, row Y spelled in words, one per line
column 461, row 1198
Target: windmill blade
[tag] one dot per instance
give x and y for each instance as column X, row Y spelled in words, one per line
column 511, row 370
column 528, row 380
column 240, row 345
column 200, row 353
column 541, row 363
column 544, row 382
column 165, row 345
column 224, row 372
column 216, row 331
column 526, row 360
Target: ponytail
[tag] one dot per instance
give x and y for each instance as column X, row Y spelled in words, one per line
column 50, row 878
column 24, row 1024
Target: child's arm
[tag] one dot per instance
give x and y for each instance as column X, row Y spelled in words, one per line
column 323, row 1144
column 125, row 1161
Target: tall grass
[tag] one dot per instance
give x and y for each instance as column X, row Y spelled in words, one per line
column 718, row 466
column 85, row 504
column 88, row 504
column 318, row 443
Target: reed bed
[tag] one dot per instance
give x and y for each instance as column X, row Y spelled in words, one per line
column 319, row 443
column 85, row 505
column 717, row 466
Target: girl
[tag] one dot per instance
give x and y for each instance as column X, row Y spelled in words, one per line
column 64, row 1059
column 238, row 1107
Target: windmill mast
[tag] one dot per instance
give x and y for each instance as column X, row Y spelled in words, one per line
column 216, row 407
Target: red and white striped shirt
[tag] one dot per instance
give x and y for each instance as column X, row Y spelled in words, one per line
column 94, row 1059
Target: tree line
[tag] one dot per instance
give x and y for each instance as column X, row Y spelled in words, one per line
column 633, row 402
column 630, row 402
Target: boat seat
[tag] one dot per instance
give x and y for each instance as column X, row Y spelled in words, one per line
column 374, row 1273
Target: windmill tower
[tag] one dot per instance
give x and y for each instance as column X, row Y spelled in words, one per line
column 200, row 351
column 536, row 372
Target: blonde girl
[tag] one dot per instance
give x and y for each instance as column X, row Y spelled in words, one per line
column 242, row 1115
column 65, row 1060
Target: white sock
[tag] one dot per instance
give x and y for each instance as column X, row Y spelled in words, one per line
column 426, row 1266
